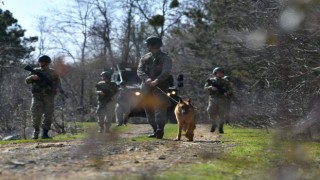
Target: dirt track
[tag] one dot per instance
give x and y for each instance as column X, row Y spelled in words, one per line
column 105, row 155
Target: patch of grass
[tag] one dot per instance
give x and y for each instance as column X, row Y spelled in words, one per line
column 252, row 154
column 170, row 131
column 119, row 129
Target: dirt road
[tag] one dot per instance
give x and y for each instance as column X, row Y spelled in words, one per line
column 102, row 156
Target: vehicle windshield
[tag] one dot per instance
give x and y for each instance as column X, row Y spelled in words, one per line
column 129, row 76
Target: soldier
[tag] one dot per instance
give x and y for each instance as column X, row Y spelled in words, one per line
column 154, row 69
column 105, row 90
column 43, row 94
column 122, row 109
column 219, row 90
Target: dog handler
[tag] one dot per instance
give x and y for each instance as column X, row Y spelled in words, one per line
column 154, row 69
column 219, row 92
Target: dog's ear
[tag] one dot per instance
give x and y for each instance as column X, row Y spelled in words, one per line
column 189, row 101
column 180, row 100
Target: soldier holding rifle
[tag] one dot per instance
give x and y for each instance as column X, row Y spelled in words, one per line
column 45, row 84
column 220, row 91
column 105, row 90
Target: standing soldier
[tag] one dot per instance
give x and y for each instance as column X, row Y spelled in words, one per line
column 219, row 90
column 105, row 90
column 122, row 109
column 43, row 93
column 154, row 69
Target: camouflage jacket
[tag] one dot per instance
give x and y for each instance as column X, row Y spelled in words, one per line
column 222, row 85
column 40, row 86
column 156, row 67
column 108, row 88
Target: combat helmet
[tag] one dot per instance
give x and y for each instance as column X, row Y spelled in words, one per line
column 154, row 40
column 217, row 69
column 44, row 58
column 106, row 74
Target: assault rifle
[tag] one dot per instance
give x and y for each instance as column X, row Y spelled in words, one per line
column 45, row 79
column 214, row 83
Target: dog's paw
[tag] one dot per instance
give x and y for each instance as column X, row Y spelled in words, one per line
column 177, row 139
column 189, row 140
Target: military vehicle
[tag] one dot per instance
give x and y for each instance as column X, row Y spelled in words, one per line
column 129, row 75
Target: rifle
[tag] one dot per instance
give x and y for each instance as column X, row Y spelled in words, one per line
column 45, row 79
column 214, row 83
column 108, row 94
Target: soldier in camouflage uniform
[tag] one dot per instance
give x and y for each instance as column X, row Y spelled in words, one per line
column 122, row 109
column 105, row 91
column 219, row 90
column 154, row 69
column 43, row 97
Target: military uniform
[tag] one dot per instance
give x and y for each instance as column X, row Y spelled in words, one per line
column 122, row 108
column 43, row 98
column 219, row 104
column 156, row 67
column 109, row 89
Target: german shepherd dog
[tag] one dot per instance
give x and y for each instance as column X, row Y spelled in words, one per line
column 185, row 114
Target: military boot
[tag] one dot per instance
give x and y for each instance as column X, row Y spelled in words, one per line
column 160, row 131
column 35, row 134
column 154, row 127
column 45, row 134
column 101, row 129
column 213, row 128
column 221, row 128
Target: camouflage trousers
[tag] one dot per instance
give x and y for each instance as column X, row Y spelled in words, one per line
column 104, row 114
column 42, row 105
column 218, row 110
column 122, row 111
column 156, row 104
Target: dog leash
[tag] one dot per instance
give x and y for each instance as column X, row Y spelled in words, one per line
column 167, row 94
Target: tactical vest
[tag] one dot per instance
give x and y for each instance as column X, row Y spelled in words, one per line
column 40, row 86
column 108, row 88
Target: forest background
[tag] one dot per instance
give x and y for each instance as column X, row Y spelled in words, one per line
column 269, row 48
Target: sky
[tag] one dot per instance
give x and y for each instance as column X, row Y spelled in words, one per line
column 27, row 11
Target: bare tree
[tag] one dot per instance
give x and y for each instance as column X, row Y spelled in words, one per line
column 102, row 29
column 70, row 30
column 127, row 32
column 161, row 15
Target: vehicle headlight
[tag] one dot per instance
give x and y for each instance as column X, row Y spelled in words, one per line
column 173, row 92
column 137, row 93
column 168, row 94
